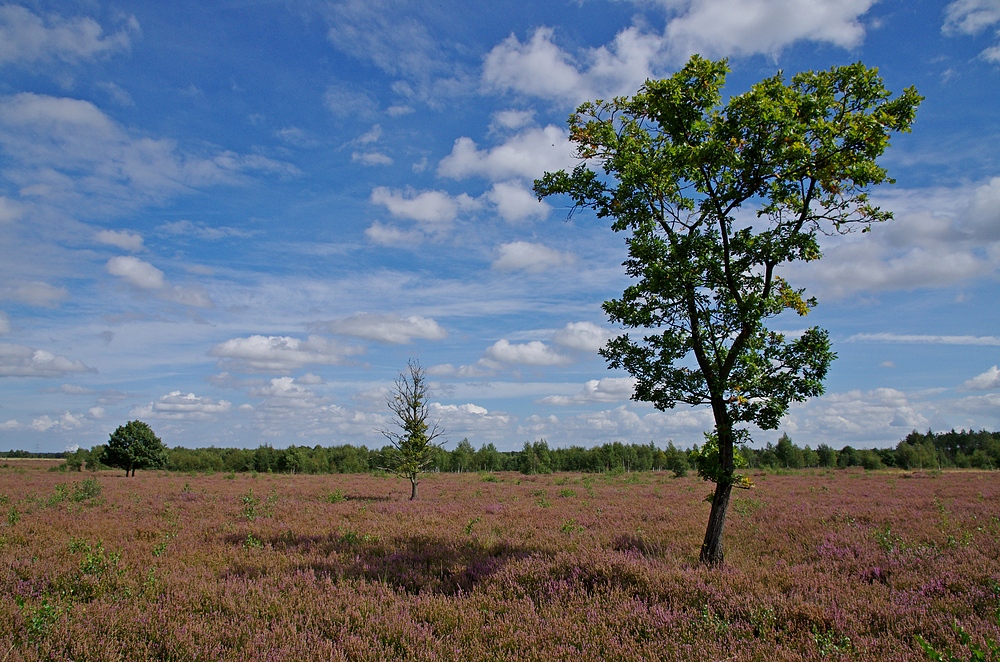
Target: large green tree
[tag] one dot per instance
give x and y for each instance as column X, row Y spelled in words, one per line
column 134, row 446
column 716, row 200
column 412, row 437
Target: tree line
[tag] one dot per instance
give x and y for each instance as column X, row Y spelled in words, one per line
column 929, row 450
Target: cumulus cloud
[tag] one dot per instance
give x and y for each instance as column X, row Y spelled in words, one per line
column 33, row 293
column 430, row 207
column 623, row 422
column 970, row 17
column 66, row 421
column 27, row 38
column 281, row 353
column 987, row 381
column 583, row 336
column 539, row 68
column 745, row 27
column 123, row 239
column 470, row 418
column 534, row 353
column 136, row 272
column 387, row 328
column 515, row 203
column 527, row 155
column 511, row 119
column 183, row 406
column 609, row 389
column 145, row 276
column 529, row 257
column 24, row 361
column 66, row 153
column 940, row 237
column 874, row 415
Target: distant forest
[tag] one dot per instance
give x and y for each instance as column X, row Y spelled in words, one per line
column 930, row 450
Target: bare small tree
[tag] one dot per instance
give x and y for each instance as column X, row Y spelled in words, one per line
column 412, row 445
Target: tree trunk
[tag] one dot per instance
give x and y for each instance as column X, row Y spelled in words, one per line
column 413, row 489
column 711, row 549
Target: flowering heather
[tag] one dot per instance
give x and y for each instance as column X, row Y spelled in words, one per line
column 838, row 565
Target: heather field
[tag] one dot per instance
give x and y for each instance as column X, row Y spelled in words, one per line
column 820, row 565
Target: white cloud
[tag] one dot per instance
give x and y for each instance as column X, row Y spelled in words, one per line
column 28, row 38
column 745, row 27
column 881, row 413
column 528, row 155
column 431, row 207
column 68, row 154
column 371, row 158
column 386, row 235
column 526, row 256
column 940, row 237
column 583, row 336
column 282, row 353
column 145, row 276
column 470, row 418
column 516, row 203
column 540, row 68
column 387, row 328
column 511, row 119
column 531, row 353
column 140, row 274
column 987, row 381
column 984, row 341
column 970, row 17
column 23, row 361
column 34, row 293
column 123, row 239
column 66, row 421
column 180, row 406
column 10, row 424
column 609, row 389
column 4, row 323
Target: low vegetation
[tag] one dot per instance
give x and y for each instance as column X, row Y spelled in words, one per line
column 821, row 564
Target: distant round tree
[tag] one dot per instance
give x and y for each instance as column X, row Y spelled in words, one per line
column 135, row 446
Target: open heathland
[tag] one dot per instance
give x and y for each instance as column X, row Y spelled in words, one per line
column 819, row 565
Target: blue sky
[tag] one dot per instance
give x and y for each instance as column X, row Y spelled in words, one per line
column 237, row 221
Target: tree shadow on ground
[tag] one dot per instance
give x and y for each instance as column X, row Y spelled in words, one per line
column 414, row 564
